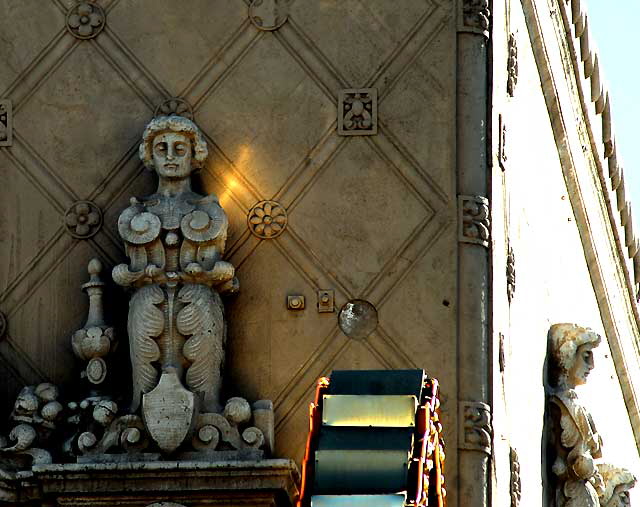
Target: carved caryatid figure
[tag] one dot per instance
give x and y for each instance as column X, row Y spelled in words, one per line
column 175, row 240
column 579, row 480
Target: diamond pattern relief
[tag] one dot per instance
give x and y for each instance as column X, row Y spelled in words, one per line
column 265, row 334
column 418, row 317
column 82, row 119
column 27, row 222
column 357, row 214
column 21, row 41
column 417, row 110
column 175, row 58
column 291, row 434
column 266, row 124
column 42, row 325
column 363, row 33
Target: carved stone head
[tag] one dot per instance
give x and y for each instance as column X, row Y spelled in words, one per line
column 571, row 354
column 618, row 482
column 173, row 146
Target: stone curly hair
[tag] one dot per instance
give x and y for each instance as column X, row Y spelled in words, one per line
column 173, row 123
column 564, row 342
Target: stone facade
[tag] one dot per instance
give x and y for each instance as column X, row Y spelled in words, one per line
column 377, row 194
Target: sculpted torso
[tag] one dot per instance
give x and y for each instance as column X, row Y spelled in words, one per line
column 175, row 240
column 580, row 480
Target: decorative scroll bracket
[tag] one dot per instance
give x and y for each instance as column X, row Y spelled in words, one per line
column 474, row 16
column 475, row 432
column 474, row 225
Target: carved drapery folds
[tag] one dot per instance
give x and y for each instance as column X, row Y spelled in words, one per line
column 475, row 432
column 474, row 224
column 578, row 481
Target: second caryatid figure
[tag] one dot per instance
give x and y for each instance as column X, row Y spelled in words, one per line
column 175, row 240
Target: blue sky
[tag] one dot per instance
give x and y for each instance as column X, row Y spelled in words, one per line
column 614, row 28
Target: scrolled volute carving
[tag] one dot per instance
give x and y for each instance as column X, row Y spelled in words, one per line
column 35, row 417
column 476, row 433
column 578, row 479
column 239, row 427
column 474, row 16
column 474, row 224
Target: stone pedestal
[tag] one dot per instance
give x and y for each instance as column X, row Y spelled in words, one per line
column 264, row 483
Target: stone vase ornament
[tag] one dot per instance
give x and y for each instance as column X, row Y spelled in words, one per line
column 175, row 240
column 578, row 479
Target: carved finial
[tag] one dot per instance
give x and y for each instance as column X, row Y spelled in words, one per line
column 95, row 340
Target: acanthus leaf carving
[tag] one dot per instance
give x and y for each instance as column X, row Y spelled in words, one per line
column 475, row 433
column 474, row 224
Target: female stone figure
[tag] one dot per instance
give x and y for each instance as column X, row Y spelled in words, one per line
column 576, row 442
column 175, row 239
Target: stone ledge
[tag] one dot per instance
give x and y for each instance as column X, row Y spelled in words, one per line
column 272, row 482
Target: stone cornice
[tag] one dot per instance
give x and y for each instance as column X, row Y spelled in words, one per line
column 587, row 67
column 579, row 111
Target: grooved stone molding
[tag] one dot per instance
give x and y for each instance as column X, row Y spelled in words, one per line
column 473, row 16
column 174, row 105
column 358, row 112
column 6, row 123
column 474, row 224
column 475, row 432
column 85, row 20
column 268, row 15
column 83, row 219
column 512, row 64
column 3, row 326
column 515, row 484
column 511, row 273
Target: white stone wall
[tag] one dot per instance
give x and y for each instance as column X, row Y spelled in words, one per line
column 532, row 211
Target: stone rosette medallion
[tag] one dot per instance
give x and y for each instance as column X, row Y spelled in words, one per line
column 267, row 219
column 85, row 20
column 83, row 219
column 176, row 277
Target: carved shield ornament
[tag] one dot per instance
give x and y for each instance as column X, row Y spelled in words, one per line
column 168, row 412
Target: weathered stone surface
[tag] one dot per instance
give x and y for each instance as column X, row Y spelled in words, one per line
column 576, row 477
column 233, row 483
